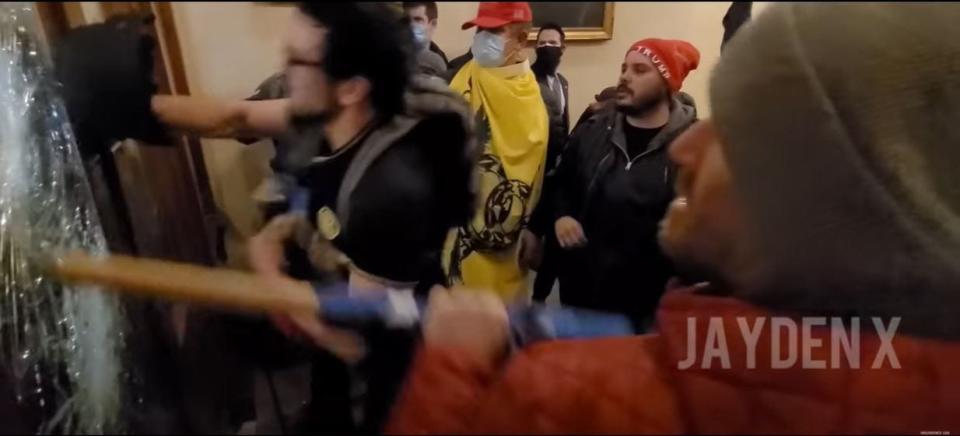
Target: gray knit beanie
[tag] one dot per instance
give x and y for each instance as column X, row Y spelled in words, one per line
column 841, row 125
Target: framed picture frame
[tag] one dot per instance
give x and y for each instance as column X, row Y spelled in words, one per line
column 581, row 21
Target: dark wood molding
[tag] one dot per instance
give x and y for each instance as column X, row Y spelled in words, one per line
column 172, row 208
column 179, row 85
column 112, row 9
column 53, row 20
column 167, row 29
column 181, row 181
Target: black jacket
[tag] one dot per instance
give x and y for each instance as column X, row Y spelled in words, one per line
column 541, row 221
column 559, row 117
column 565, row 86
column 737, row 15
column 407, row 184
column 456, row 64
column 436, row 49
column 621, row 268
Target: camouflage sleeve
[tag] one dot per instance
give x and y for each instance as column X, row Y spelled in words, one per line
column 273, row 87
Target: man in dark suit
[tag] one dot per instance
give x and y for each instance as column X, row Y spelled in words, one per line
column 551, row 43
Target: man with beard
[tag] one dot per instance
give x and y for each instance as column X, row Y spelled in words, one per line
column 387, row 182
column 614, row 183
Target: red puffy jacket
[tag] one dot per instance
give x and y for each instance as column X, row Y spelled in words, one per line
column 634, row 384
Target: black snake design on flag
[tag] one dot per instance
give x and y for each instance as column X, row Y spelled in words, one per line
column 496, row 231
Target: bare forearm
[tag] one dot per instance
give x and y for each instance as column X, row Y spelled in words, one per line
column 216, row 118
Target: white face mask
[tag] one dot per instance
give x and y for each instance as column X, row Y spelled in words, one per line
column 420, row 38
column 487, row 49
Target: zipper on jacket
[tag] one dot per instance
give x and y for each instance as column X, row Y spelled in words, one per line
column 627, row 156
column 631, row 161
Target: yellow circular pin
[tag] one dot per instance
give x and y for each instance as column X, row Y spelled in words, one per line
column 327, row 223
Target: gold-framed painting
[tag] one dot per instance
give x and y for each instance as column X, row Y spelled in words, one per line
column 581, row 21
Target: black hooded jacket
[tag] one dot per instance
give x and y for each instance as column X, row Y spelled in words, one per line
column 619, row 203
column 400, row 188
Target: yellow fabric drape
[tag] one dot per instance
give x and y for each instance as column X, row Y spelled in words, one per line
column 512, row 123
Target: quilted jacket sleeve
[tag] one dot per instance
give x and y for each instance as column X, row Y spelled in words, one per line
column 552, row 387
column 441, row 393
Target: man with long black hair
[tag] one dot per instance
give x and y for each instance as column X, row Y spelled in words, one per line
column 390, row 177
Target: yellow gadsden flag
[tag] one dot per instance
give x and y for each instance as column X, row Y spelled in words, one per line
column 512, row 125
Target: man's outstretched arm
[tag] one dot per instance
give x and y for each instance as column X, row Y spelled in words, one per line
column 218, row 118
column 110, row 92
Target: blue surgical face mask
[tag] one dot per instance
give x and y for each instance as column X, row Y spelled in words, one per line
column 420, row 39
column 487, row 49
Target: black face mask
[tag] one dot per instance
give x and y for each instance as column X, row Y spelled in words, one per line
column 548, row 59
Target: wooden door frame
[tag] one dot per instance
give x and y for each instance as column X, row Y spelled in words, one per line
column 53, row 18
column 58, row 17
column 172, row 79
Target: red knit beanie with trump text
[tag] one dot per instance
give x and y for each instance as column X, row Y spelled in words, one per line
column 673, row 58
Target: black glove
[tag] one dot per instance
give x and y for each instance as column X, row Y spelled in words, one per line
column 107, row 75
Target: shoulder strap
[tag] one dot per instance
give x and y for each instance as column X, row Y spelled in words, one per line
column 375, row 145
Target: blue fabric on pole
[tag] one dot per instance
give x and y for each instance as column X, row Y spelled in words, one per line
column 299, row 199
column 528, row 323
column 573, row 323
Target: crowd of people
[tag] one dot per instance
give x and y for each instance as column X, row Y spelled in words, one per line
column 824, row 184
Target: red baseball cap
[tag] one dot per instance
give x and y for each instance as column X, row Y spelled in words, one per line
column 497, row 14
